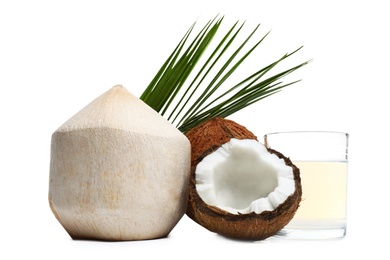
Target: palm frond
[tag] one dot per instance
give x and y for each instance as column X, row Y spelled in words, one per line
column 163, row 90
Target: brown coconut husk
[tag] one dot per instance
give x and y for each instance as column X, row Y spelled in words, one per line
column 205, row 139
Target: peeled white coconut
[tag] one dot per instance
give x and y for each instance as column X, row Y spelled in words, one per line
column 118, row 171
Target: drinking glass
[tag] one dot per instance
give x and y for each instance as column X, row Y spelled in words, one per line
column 322, row 158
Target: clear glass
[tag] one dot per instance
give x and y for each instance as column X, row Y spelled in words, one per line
column 322, row 158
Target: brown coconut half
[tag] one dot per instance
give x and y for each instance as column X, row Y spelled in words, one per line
column 207, row 138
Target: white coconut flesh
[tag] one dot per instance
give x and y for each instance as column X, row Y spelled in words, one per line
column 242, row 176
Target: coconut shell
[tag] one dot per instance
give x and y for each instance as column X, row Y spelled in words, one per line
column 205, row 139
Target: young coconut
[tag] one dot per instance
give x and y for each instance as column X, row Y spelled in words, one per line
column 118, row 171
column 238, row 187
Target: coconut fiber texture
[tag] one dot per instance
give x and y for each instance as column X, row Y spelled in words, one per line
column 205, row 139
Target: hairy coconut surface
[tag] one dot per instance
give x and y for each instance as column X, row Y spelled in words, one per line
column 210, row 135
column 207, row 138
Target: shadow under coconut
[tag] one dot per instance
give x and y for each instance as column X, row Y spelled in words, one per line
column 246, row 241
column 118, row 241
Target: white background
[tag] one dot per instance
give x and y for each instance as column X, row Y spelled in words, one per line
column 56, row 57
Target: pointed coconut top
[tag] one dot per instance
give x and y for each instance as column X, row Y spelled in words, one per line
column 119, row 109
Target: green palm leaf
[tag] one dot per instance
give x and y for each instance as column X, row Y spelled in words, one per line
column 163, row 90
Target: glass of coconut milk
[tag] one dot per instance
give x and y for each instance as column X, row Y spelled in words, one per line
column 322, row 158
